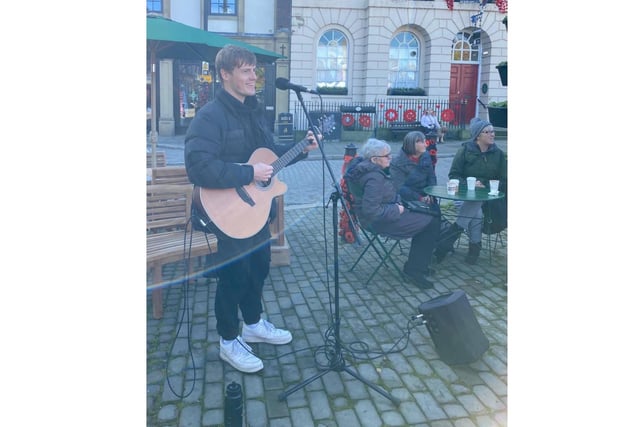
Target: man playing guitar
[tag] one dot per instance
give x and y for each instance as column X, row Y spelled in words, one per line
column 231, row 157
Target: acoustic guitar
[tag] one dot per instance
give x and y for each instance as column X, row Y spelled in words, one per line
column 241, row 212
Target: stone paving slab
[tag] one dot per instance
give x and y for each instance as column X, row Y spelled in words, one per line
column 381, row 343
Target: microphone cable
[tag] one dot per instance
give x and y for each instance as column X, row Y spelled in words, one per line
column 185, row 316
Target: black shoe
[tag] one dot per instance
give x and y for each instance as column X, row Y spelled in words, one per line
column 473, row 254
column 440, row 254
column 417, row 278
column 454, row 231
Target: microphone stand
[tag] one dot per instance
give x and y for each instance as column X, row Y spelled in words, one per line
column 337, row 362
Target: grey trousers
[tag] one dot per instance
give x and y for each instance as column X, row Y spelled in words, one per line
column 470, row 218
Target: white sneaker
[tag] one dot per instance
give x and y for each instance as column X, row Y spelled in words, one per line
column 239, row 355
column 266, row 332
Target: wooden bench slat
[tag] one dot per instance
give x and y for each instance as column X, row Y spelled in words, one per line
column 169, row 247
column 169, row 175
column 168, row 213
column 161, row 159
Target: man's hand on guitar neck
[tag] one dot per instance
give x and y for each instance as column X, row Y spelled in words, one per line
column 262, row 172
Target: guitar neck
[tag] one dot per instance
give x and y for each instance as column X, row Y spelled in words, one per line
column 288, row 157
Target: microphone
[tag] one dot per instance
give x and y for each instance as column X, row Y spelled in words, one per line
column 284, row 84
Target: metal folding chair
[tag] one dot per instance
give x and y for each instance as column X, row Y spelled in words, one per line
column 384, row 246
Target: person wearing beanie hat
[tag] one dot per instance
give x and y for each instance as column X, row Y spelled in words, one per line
column 476, row 126
column 481, row 158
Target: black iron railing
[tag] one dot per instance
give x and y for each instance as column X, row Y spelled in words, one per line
column 380, row 114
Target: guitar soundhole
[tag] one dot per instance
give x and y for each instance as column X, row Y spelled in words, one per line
column 263, row 184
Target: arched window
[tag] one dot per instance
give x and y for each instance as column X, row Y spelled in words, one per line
column 404, row 57
column 332, row 60
column 464, row 47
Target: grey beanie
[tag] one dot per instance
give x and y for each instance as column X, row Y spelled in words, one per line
column 476, row 126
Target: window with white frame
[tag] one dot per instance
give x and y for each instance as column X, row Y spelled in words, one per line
column 404, row 57
column 223, row 7
column 154, row 6
column 465, row 47
column 332, row 59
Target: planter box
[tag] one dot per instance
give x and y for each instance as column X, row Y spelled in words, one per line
column 502, row 69
column 498, row 116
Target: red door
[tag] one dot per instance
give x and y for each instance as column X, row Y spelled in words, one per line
column 462, row 92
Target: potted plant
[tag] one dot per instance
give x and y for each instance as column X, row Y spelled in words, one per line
column 329, row 90
column 502, row 69
column 498, row 113
column 406, row 91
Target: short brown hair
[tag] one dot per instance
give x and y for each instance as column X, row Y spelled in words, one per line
column 410, row 139
column 231, row 57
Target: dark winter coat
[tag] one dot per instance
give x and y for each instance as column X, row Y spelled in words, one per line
column 376, row 201
column 410, row 178
column 470, row 161
column 221, row 138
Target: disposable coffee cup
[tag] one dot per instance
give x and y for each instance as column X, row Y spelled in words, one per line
column 471, row 183
column 451, row 187
column 493, row 186
column 456, row 184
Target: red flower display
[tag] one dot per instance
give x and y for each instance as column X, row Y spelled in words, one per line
column 391, row 115
column 502, row 6
column 364, row 120
column 450, row 4
column 409, row 116
column 347, row 120
column 447, row 115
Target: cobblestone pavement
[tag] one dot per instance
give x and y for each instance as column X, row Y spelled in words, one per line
column 186, row 379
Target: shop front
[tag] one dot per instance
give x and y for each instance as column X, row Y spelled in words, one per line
column 193, row 88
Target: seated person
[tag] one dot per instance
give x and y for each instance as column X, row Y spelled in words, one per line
column 478, row 157
column 379, row 208
column 429, row 122
column 411, row 169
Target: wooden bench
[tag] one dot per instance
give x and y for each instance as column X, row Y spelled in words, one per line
column 400, row 129
column 161, row 159
column 168, row 214
column 169, row 175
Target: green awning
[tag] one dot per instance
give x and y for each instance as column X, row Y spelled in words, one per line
column 171, row 39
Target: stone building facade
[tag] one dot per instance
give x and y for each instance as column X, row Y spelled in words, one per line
column 354, row 51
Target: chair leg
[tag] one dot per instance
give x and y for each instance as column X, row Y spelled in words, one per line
column 364, row 251
column 386, row 257
column 371, row 243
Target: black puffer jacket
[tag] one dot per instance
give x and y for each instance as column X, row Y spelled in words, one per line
column 376, row 201
column 222, row 136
